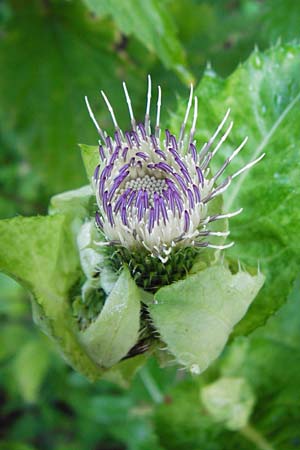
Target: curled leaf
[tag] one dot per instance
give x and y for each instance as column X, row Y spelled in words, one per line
column 116, row 330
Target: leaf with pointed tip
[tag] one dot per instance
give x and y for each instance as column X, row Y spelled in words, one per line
column 195, row 316
column 264, row 97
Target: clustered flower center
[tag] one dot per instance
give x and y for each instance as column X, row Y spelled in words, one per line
column 149, row 186
column 148, row 193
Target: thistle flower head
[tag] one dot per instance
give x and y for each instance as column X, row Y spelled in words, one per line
column 153, row 188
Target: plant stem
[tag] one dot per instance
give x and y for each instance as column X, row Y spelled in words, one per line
column 254, row 436
column 150, row 385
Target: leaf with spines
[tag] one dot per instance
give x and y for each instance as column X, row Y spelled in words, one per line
column 264, row 96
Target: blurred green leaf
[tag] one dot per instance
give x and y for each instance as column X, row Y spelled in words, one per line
column 15, row 446
column 13, row 336
column 12, row 298
column 222, row 33
column 195, row 316
column 151, row 23
column 263, row 95
column 181, row 421
column 281, row 20
column 229, row 400
column 30, row 367
column 51, row 55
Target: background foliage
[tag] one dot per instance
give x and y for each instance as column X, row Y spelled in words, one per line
column 52, row 53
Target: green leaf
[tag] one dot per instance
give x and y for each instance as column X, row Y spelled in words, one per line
column 12, row 298
column 110, row 337
column 281, row 20
column 151, row 23
column 229, row 400
column 215, row 31
column 42, row 99
column 39, row 252
column 182, row 423
column 30, row 367
column 264, row 97
column 11, row 339
column 195, row 316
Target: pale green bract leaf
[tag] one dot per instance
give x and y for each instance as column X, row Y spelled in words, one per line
column 90, row 157
column 77, row 205
column 151, row 24
column 40, row 253
column 91, row 260
column 264, row 97
column 195, row 316
column 229, row 400
column 110, row 337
